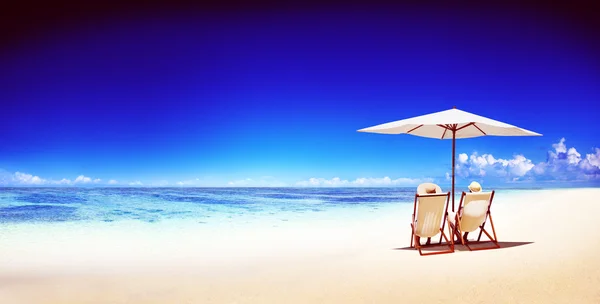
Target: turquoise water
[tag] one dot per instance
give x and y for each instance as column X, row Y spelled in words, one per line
column 30, row 205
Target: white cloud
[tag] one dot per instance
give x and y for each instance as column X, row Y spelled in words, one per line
column 590, row 165
column 82, row 179
column 594, row 159
column 519, row 165
column 362, row 182
column 561, row 152
column 243, row 182
column 28, row 179
column 562, row 163
column 191, row 182
column 63, row 181
column 21, row 178
column 265, row 181
column 567, row 164
column 319, row 182
column 560, row 147
column 573, row 156
column 462, row 158
column 488, row 165
column 135, row 183
column 480, row 161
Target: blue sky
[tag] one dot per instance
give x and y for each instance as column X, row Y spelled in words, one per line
column 275, row 99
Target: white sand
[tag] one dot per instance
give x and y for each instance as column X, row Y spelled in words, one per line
column 549, row 255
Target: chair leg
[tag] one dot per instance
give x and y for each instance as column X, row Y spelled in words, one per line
column 493, row 229
column 495, row 246
column 494, row 241
column 448, row 241
column 412, row 235
column 455, row 232
column 420, row 247
column 483, row 225
column 450, row 250
column 457, row 235
column 443, row 225
column 450, row 233
column 489, row 236
column 418, row 244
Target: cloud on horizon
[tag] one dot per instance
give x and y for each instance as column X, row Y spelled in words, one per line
column 262, row 182
column 82, row 179
column 26, row 179
column 63, row 181
column 363, row 182
column 191, row 183
column 562, row 164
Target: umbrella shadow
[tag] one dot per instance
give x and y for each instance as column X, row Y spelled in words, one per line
column 460, row 247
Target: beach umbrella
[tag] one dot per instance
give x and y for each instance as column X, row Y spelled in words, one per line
column 450, row 124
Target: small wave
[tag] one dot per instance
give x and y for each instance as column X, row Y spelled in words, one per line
column 45, row 198
column 28, row 213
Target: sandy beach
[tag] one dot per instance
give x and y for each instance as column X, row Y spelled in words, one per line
column 549, row 254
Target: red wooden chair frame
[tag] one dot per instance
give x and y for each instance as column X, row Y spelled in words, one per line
column 416, row 239
column 456, row 231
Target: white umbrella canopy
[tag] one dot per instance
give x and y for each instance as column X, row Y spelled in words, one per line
column 450, row 124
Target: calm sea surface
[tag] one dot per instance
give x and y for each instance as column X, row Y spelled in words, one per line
column 30, row 205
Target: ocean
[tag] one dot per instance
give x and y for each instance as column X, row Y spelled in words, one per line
column 203, row 205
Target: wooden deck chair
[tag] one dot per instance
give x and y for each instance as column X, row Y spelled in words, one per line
column 473, row 213
column 428, row 219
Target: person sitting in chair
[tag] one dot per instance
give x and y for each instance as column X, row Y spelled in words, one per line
column 473, row 188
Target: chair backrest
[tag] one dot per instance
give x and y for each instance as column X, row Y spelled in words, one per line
column 473, row 210
column 430, row 212
column 421, row 189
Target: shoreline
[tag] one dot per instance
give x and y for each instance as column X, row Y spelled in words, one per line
column 544, row 259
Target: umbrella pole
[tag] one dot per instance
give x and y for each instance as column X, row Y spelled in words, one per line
column 453, row 151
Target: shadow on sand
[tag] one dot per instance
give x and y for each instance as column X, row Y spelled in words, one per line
column 460, row 247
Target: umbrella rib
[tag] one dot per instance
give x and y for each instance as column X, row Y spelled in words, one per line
column 469, row 124
column 474, row 125
column 445, row 130
column 414, row 129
